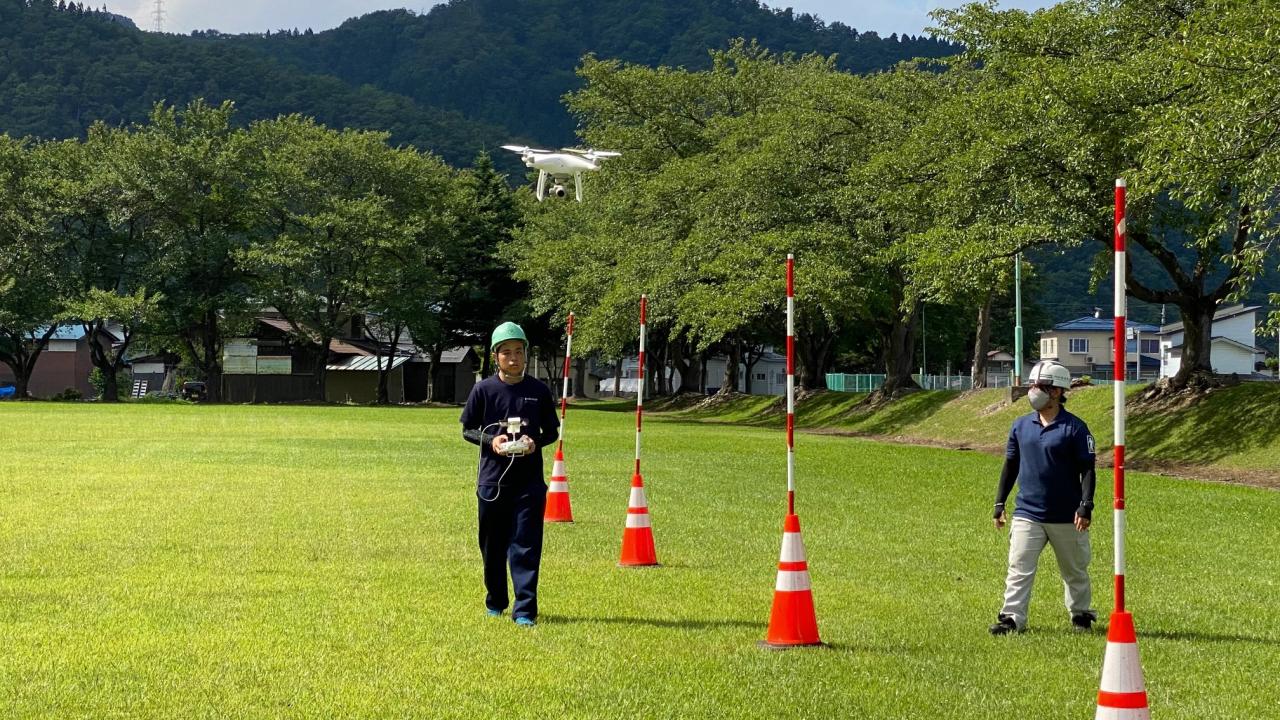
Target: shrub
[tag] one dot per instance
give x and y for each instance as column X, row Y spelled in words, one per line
column 68, row 395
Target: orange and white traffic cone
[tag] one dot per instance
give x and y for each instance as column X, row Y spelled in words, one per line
column 793, row 621
column 558, row 507
column 637, row 539
column 1123, row 695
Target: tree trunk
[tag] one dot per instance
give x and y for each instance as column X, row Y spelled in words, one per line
column 982, row 342
column 686, row 363
column 899, row 352
column 384, row 367
column 22, row 361
column 702, row 370
column 734, row 356
column 319, row 369
column 1197, row 343
column 578, row 388
column 813, row 342
column 437, row 352
column 617, row 378
column 212, row 365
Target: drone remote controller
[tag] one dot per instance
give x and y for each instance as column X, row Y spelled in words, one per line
column 517, row 445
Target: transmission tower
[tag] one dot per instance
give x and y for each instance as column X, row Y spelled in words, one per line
column 158, row 16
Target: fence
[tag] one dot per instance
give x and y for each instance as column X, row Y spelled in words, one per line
column 866, row 382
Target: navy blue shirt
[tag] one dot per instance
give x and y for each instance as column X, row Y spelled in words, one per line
column 493, row 401
column 1051, row 459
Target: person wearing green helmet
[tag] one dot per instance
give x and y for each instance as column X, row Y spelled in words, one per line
column 511, row 417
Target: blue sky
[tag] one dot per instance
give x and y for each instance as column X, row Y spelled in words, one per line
column 237, row 16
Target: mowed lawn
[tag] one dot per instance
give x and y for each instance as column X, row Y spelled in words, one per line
column 320, row 562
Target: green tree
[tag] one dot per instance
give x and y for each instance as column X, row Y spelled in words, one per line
column 187, row 173
column 328, row 219
column 31, row 279
column 1094, row 91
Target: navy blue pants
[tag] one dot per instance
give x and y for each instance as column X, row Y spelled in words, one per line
column 511, row 533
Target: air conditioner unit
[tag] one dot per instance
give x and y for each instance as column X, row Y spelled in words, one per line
column 1088, row 358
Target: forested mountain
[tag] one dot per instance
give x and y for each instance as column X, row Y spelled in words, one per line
column 63, row 69
column 509, row 62
column 469, row 74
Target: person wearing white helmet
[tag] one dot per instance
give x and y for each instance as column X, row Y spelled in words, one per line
column 1050, row 456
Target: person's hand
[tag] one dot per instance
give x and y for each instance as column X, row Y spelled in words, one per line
column 999, row 520
column 529, row 445
column 1082, row 523
column 496, row 445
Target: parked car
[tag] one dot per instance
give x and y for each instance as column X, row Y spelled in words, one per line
column 195, row 390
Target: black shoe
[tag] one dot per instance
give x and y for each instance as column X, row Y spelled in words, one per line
column 1004, row 625
column 1083, row 622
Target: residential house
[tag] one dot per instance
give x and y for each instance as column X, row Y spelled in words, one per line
column 64, row 364
column 1086, row 346
column 273, row 365
column 1233, row 347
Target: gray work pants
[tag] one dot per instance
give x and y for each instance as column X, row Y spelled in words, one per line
column 1027, row 539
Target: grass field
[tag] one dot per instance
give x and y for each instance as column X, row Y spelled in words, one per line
column 320, row 562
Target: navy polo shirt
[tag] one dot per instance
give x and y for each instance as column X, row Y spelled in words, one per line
column 492, row 401
column 1051, row 459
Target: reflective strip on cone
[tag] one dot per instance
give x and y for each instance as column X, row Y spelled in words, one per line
column 792, row 547
column 557, row 486
column 792, row 581
column 638, row 499
column 557, row 469
column 638, row 520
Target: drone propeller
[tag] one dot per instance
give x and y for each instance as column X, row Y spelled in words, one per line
column 522, row 149
column 592, row 154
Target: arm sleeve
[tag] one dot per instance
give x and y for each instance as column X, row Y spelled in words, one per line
column 549, row 422
column 1088, row 475
column 1009, row 473
column 472, row 418
column 1008, row 476
column 476, row 437
column 1088, row 480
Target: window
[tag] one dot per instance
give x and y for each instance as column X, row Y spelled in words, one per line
column 1078, row 346
column 762, row 376
column 1048, row 347
column 1150, row 347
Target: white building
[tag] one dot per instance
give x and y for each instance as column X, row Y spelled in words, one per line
column 1234, row 346
column 768, row 375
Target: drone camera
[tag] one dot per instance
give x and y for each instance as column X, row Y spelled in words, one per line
column 558, row 191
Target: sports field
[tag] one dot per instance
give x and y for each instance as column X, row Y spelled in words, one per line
column 244, row 562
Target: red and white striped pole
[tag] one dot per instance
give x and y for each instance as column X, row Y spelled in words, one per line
column 637, row 538
column 559, row 508
column 1123, row 692
column 792, row 621
column 1120, row 367
column 644, row 306
column 564, row 393
column 791, row 385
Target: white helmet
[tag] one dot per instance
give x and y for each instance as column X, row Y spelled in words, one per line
column 1050, row 372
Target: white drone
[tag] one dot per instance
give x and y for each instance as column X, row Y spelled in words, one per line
column 560, row 166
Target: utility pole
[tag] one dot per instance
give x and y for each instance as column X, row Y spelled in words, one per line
column 1017, row 317
column 157, row 14
column 924, row 345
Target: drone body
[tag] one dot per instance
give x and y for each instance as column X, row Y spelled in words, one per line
column 559, row 167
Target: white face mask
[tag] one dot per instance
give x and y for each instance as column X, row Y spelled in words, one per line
column 1038, row 398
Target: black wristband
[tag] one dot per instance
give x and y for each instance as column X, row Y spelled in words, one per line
column 999, row 510
column 1085, row 511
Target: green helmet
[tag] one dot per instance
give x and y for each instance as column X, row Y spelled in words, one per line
column 507, row 331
